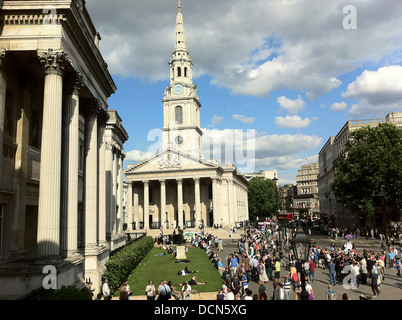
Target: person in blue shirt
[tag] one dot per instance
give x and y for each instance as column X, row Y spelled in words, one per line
column 233, row 265
column 221, row 268
column 244, row 281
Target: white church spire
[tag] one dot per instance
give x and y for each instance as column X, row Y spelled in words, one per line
column 182, row 127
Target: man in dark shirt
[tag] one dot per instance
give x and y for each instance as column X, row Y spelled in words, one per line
column 374, row 284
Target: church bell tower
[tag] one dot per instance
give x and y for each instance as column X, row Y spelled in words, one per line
column 181, row 106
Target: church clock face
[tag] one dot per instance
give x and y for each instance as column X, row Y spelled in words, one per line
column 178, row 89
column 178, row 140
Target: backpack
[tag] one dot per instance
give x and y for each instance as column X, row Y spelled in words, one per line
column 331, row 295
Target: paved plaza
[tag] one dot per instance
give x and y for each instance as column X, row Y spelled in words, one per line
column 391, row 288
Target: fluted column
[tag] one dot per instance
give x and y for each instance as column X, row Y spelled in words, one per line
column 163, row 203
column 109, row 189
column 120, row 193
column 69, row 200
column 197, row 199
column 50, row 167
column 146, row 204
column 215, row 200
column 103, row 117
column 114, row 188
column 231, row 202
column 136, row 210
column 3, row 87
column 91, row 173
column 130, row 217
column 180, row 202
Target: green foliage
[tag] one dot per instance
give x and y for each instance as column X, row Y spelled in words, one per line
column 122, row 264
column 66, row 293
column 263, row 199
column 369, row 174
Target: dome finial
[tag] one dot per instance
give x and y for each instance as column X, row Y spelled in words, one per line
column 179, row 5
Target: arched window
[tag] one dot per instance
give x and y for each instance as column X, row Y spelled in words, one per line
column 185, row 71
column 178, row 115
column 179, row 72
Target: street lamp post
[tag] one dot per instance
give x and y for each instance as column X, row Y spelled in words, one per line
column 301, row 247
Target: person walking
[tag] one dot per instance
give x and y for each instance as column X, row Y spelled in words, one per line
column 374, row 284
column 287, row 287
column 106, row 289
column 332, row 273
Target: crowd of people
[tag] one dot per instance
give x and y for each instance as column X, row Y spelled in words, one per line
column 258, row 259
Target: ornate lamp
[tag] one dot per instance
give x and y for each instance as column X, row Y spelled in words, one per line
column 301, row 247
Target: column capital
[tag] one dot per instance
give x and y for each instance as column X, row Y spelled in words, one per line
column 3, row 55
column 74, row 83
column 179, row 180
column 162, row 181
column 53, row 62
column 196, row 179
column 103, row 116
column 92, row 107
column 145, row 182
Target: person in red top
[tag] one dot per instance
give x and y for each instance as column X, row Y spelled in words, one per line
column 312, row 270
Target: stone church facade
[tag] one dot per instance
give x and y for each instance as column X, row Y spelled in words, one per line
column 177, row 187
column 61, row 148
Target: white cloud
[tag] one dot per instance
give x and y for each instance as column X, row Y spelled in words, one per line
column 217, row 119
column 292, row 106
column 138, row 156
column 292, row 122
column 375, row 91
column 339, row 106
column 251, row 49
column 243, row 119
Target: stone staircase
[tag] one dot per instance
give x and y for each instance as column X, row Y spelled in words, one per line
column 223, row 233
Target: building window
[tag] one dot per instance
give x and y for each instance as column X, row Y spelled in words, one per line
column 178, row 115
column 179, row 72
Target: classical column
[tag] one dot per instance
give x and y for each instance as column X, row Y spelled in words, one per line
column 109, row 188
column 120, row 218
column 163, row 203
column 103, row 117
column 130, row 218
column 91, row 173
column 3, row 90
column 69, row 200
column 136, row 205
column 146, row 204
column 215, row 200
column 180, row 202
column 231, row 202
column 197, row 200
column 50, row 166
column 114, row 190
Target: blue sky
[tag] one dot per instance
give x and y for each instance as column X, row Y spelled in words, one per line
column 293, row 71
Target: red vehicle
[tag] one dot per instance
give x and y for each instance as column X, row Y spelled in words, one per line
column 289, row 217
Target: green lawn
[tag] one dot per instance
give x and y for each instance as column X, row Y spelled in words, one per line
column 157, row 268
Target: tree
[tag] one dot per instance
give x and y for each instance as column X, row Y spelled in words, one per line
column 263, row 199
column 368, row 176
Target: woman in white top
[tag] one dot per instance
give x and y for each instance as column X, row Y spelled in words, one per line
column 150, row 290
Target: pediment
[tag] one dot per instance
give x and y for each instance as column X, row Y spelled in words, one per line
column 169, row 161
